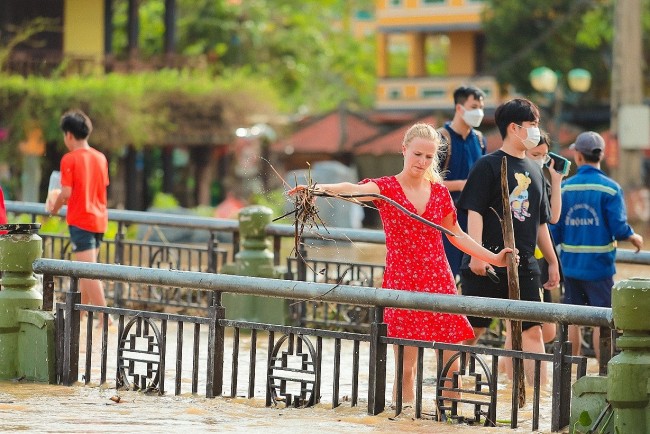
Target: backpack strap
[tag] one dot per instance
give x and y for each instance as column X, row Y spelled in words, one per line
column 446, row 137
column 481, row 139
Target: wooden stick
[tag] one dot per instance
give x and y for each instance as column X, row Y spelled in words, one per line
column 513, row 280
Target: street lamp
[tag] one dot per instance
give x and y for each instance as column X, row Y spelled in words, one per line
column 545, row 80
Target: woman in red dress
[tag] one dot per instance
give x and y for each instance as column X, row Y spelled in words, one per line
column 415, row 257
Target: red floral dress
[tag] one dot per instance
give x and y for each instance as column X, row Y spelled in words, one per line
column 416, row 261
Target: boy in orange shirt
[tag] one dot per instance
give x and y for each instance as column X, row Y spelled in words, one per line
column 84, row 179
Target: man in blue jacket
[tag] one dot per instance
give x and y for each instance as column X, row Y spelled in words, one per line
column 593, row 219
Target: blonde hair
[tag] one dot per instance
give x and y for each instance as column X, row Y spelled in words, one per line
column 427, row 132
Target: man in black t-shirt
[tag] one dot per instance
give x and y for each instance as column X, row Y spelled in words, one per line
column 518, row 122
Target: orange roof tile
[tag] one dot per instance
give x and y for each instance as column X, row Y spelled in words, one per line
column 390, row 142
column 324, row 134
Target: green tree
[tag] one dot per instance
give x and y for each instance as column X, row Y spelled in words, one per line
column 306, row 49
column 525, row 34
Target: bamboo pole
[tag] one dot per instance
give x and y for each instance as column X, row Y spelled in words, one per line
column 513, row 281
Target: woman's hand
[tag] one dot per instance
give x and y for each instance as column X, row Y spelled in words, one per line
column 502, row 257
column 296, row 189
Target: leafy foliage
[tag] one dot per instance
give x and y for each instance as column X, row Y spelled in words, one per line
column 22, row 33
column 130, row 109
column 525, row 34
column 309, row 60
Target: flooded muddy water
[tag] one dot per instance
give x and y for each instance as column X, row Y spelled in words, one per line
column 27, row 407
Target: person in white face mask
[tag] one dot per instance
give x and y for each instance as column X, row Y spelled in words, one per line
column 539, row 155
column 465, row 145
column 518, row 123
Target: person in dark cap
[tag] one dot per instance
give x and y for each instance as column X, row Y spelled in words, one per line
column 593, row 219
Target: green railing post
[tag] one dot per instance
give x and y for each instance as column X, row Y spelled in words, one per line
column 629, row 371
column 255, row 259
column 26, row 332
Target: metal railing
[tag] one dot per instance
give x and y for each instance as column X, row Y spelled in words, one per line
column 150, row 328
column 220, row 245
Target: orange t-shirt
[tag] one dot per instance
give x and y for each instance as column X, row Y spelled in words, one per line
column 85, row 171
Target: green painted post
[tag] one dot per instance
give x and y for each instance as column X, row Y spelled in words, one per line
column 26, row 332
column 254, row 259
column 17, row 252
column 628, row 387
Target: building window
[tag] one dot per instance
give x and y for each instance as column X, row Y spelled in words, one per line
column 437, row 53
column 433, row 93
column 395, row 94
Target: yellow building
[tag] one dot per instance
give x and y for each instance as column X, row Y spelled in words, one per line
column 426, row 49
column 84, row 32
column 77, row 31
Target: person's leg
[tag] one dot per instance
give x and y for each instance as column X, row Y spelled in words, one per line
column 531, row 336
column 408, row 374
column 531, row 342
column 478, row 332
column 574, row 293
column 599, row 293
column 505, row 363
column 478, row 286
column 575, row 337
column 549, row 329
column 85, row 248
column 595, row 339
column 93, row 289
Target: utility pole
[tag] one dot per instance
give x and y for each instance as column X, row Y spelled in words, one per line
column 627, row 93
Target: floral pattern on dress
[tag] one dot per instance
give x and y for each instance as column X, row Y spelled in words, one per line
column 416, row 261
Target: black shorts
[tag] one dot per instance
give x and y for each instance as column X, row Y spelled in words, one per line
column 83, row 240
column 482, row 286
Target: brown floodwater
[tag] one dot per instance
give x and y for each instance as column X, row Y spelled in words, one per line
column 29, row 407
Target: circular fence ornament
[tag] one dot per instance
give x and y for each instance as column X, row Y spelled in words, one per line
column 292, row 374
column 474, row 383
column 139, row 356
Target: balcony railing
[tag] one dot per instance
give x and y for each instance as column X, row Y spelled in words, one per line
column 426, row 93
